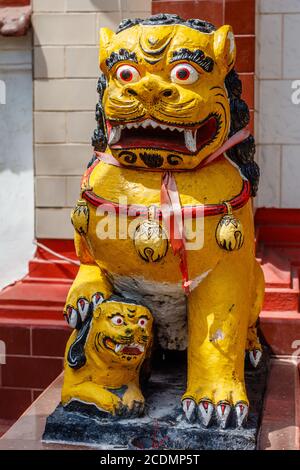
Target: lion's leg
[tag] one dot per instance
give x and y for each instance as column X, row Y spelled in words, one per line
column 218, row 318
column 89, row 392
column 253, row 346
column 89, row 287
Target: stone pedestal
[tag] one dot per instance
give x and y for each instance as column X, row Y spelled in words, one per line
column 163, row 426
column 279, row 428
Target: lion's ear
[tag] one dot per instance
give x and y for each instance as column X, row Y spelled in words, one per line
column 97, row 311
column 225, row 48
column 106, row 37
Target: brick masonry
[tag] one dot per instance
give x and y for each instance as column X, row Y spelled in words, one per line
column 221, row 12
column 34, row 358
column 278, row 68
column 65, row 56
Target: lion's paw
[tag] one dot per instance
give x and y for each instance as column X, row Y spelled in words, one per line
column 76, row 315
column 222, row 411
column 212, row 403
column 255, row 356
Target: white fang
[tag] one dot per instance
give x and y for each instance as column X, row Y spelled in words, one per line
column 114, row 135
column 190, row 140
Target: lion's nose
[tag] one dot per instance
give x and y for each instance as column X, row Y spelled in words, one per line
column 147, row 91
column 128, row 331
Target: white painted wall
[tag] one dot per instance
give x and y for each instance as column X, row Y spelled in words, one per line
column 277, row 117
column 16, row 160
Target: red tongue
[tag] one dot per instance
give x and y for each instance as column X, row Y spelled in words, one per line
column 133, row 351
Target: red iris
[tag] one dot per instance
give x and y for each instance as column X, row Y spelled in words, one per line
column 183, row 73
column 126, row 75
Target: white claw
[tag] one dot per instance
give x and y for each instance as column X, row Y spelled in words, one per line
column 83, row 308
column 255, row 357
column 114, row 135
column 190, row 140
column 73, row 318
column 189, row 408
column 223, row 411
column 206, row 409
column 97, row 299
column 241, row 410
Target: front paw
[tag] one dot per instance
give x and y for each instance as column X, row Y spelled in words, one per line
column 134, row 404
column 230, row 402
column 135, row 410
column 76, row 313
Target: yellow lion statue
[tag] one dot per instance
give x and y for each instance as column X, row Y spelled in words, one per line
column 103, row 362
column 174, row 170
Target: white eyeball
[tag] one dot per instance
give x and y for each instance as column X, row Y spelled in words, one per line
column 117, row 320
column 184, row 74
column 127, row 74
column 142, row 322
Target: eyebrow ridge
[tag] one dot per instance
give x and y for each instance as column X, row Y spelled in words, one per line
column 197, row 56
column 120, row 56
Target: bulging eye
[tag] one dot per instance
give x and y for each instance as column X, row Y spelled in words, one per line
column 117, row 320
column 184, row 73
column 142, row 322
column 128, row 74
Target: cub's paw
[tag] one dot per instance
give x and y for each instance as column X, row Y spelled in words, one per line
column 76, row 315
column 134, row 402
column 135, row 410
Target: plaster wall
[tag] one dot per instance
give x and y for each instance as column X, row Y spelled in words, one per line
column 66, row 36
column 16, row 159
column 278, row 102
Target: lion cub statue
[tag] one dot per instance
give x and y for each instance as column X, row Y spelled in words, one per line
column 102, row 363
column 165, row 217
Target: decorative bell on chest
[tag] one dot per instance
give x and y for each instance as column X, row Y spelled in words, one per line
column 230, row 231
column 150, row 239
column 80, row 217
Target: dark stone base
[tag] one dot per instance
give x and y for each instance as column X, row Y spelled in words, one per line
column 163, row 425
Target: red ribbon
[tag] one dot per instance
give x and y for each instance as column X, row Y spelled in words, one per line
column 170, row 201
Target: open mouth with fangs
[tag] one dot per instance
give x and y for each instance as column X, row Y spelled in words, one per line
column 157, row 135
column 132, row 349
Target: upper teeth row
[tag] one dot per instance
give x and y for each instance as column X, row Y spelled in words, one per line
column 119, row 347
column 151, row 123
column 190, row 137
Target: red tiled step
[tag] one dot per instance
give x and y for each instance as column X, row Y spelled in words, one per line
column 277, row 299
column 31, row 312
column 40, row 268
column 29, row 294
column 281, row 331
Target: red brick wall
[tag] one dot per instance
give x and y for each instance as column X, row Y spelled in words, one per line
column 34, row 358
column 240, row 14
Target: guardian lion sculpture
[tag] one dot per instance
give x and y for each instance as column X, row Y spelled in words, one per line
column 174, row 159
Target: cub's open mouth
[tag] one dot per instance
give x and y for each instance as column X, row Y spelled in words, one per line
column 153, row 134
column 132, row 349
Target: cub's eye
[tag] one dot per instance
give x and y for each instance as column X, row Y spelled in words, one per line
column 128, row 74
column 184, row 73
column 142, row 322
column 117, row 320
